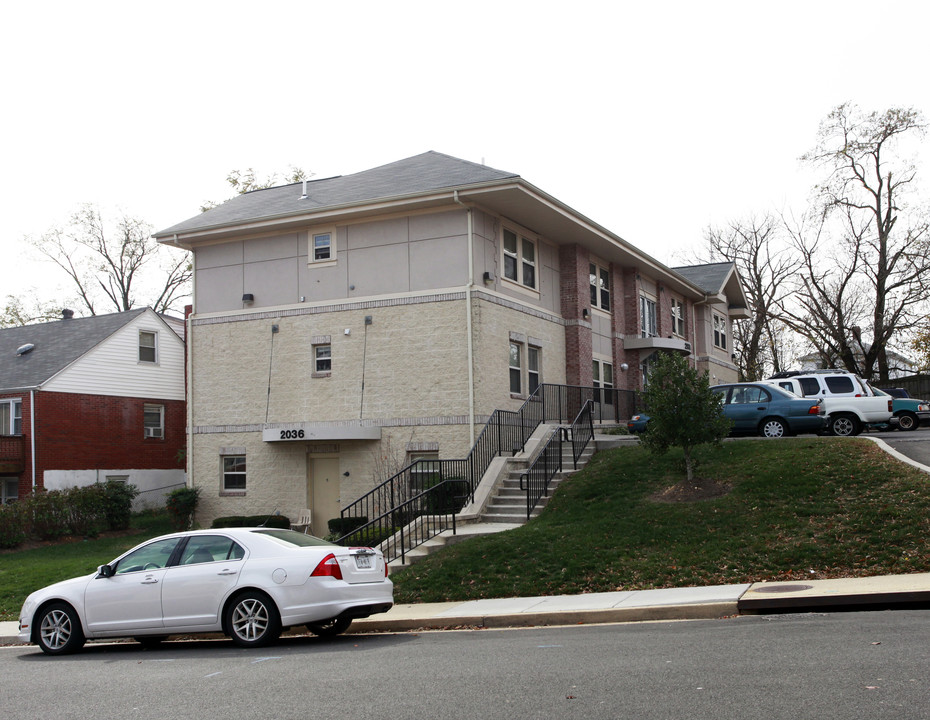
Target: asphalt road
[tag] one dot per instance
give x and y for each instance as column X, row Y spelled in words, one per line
column 915, row 445
column 843, row 665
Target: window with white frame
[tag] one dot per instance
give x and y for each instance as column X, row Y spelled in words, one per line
column 600, row 287
column 233, row 471
column 322, row 359
column 153, row 420
column 516, row 368
column 322, row 246
column 9, row 490
column 720, row 331
column 646, row 368
column 602, row 373
column 533, row 356
column 519, row 259
column 148, row 346
column 678, row 317
column 647, row 317
column 11, row 417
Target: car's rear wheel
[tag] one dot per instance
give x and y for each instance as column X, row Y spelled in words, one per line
column 773, row 427
column 907, row 421
column 328, row 628
column 845, row 425
column 252, row 620
column 59, row 630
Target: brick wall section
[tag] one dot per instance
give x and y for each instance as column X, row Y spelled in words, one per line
column 79, row 432
column 574, row 289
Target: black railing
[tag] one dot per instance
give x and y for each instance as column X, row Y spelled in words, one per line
column 385, row 512
column 582, row 432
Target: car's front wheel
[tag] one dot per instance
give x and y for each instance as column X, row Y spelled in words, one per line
column 773, row 427
column 252, row 620
column 845, row 425
column 59, row 630
column 907, row 421
column 328, row 628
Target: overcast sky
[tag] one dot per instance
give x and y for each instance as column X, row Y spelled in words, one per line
column 652, row 119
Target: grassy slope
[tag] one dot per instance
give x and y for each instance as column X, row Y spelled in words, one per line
column 811, row 508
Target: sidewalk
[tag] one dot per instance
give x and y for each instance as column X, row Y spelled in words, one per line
column 695, row 603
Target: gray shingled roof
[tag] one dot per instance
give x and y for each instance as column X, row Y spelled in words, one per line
column 710, row 278
column 57, row 345
column 424, row 173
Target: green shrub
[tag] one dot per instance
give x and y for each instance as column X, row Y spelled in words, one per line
column 344, row 525
column 272, row 521
column 48, row 516
column 117, row 503
column 181, row 505
column 12, row 525
column 85, row 509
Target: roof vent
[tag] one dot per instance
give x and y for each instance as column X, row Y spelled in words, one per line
column 23, row 349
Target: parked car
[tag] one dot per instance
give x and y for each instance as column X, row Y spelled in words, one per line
column 638, row 423
column 851, row 405
column 769, row 411
column 909, row 412
column 249, row 583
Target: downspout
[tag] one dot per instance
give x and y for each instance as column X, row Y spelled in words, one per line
column 32, row 435
column 470, row 351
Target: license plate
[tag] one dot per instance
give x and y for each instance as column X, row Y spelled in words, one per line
column 363, row 562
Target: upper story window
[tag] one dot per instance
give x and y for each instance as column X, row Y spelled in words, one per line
column 519, row 259
column 720, row 331
column 153, row 420
column 678, row 317
column 322, row 246
column 11, row 417
column 148, row 346
column 647, row 317
column 600, row 287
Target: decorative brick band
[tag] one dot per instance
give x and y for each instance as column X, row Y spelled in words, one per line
column 371, row 422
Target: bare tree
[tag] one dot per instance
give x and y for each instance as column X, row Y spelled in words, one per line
column 247, row 181
column 759, row 253
column 119, row 270
column 863, row 258
column 18, row 312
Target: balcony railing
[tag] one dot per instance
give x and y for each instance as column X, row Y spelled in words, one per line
column 12, row 454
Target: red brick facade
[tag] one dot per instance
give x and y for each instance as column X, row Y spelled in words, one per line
column 81, row 432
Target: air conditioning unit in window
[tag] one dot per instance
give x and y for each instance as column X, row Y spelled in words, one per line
column 153, row 432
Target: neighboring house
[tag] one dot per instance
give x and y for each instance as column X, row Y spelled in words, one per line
column 345, row 326
column 899, row 366
column 95, row 398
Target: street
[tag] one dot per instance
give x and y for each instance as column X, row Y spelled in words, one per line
column 841, row 665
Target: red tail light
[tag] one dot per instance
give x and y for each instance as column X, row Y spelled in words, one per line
column 328, row 567
column 890, row 405
column 814, row 410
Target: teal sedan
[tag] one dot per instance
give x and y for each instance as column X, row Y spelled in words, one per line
column 769, row 411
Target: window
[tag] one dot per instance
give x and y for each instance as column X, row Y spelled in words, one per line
column 645, row 368
column 321, row 246
column 210, row 548
column 519, row 259
column 720, row 331
column 603, row 375
column 809, row 386
column 11, row 417
column 425, row 471
column 600, row 287
column 148, row 346
column 839, row 384
column 9, row 490
column 678, row 317
column 647, row 316
column 153, row 556
column 751, row 395
column 234, row 473
column 516, row 373
column 322, row 359
column 532, row 369
column 153, row 420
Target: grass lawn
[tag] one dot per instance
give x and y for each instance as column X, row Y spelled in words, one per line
column 23, row 571
column 795, row 508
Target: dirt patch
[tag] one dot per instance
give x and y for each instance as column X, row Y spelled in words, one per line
column 695, row 490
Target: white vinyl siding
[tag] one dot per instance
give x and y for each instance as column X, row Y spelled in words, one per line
column 113, row 367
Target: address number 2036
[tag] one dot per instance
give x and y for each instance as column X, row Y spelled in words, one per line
column 292, row 434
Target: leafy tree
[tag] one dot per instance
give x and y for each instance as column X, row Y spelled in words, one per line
column 117, row 266
column 683, row 410
column 243, row 182
column 18, row 312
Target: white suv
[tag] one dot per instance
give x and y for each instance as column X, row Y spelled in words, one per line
column 849, row 401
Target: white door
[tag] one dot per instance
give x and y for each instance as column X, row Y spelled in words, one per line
column 323, row 492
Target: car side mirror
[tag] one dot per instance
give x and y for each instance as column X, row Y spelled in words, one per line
column 105, row 571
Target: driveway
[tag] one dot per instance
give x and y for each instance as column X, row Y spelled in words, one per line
column 915, row 445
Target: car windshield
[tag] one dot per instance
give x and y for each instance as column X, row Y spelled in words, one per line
column 291, row 538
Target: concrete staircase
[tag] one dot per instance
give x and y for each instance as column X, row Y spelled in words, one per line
column 499, row 503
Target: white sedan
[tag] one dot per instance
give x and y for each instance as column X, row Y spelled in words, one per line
column 249, row 583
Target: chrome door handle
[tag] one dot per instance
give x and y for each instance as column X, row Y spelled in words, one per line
column 227, row 572
column 150, row 581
